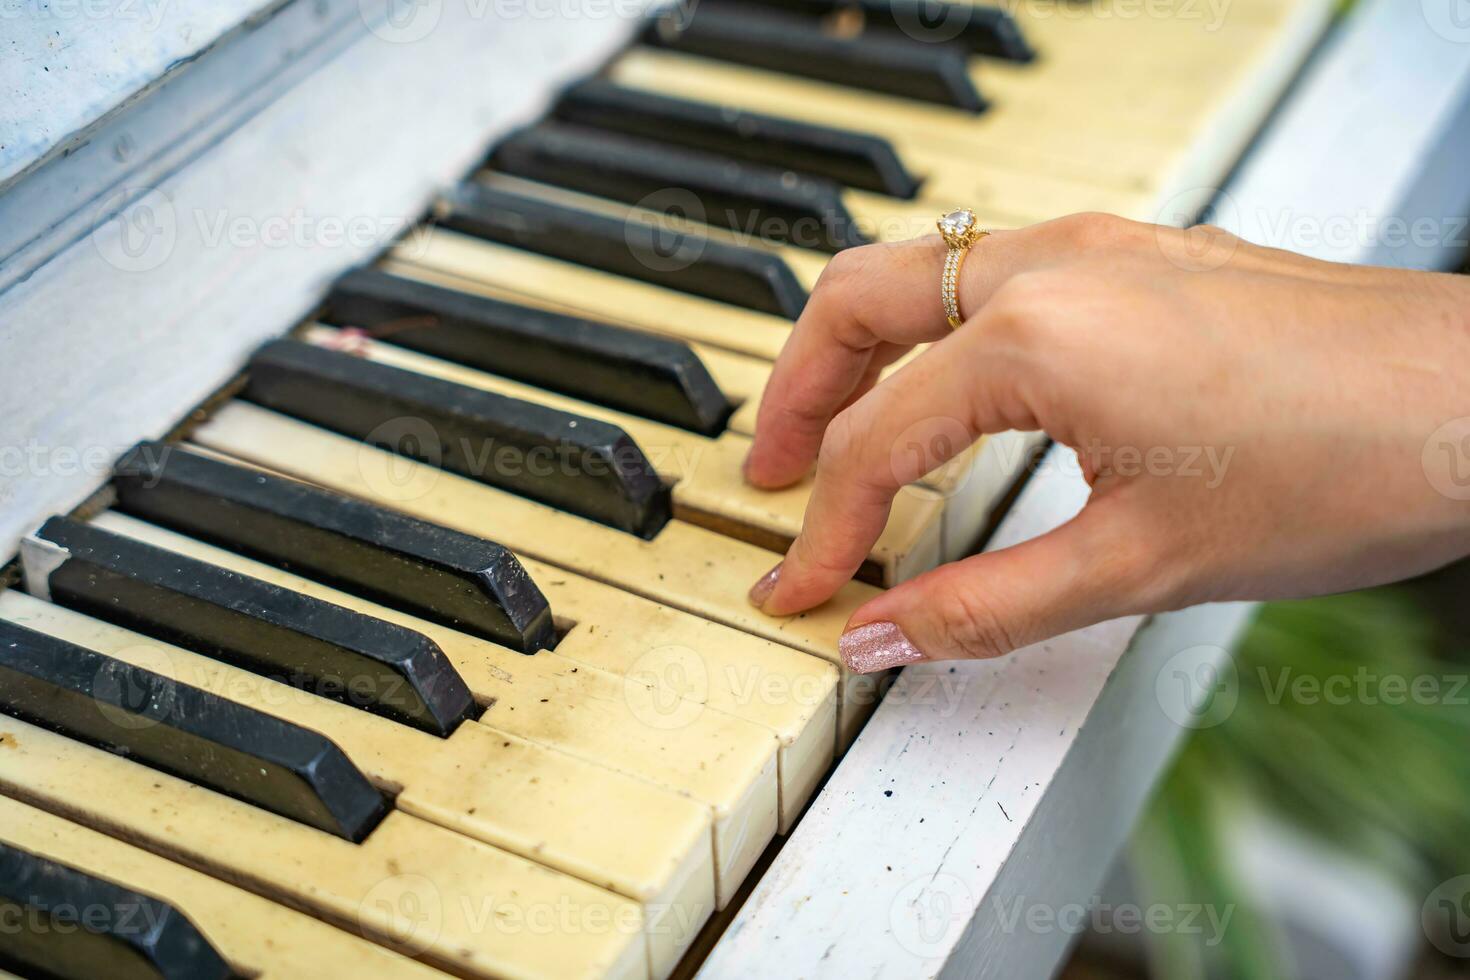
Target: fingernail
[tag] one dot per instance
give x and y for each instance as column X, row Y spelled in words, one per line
column 764, row 586
column 876, row 646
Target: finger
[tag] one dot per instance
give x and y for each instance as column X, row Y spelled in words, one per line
column 991, row 604
column 891, row 293
column 940, row 402
column 877, row 299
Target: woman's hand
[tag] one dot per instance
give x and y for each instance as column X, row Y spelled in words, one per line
column 1253, row 424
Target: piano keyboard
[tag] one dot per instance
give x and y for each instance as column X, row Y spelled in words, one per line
column 424, row 649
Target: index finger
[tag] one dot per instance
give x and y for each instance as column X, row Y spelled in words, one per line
column 883, row 298
column 868, row 305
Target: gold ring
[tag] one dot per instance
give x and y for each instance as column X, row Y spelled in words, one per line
column 960, row 231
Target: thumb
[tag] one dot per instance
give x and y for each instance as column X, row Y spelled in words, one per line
column 1088, row 570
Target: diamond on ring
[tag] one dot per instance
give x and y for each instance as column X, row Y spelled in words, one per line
column 960, row 230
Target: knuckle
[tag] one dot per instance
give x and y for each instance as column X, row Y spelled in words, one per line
column 972, row 625
column 1097, row 229
column 845, row 267
column 840, row 442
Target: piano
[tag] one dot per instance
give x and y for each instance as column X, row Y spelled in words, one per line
column 376, row 382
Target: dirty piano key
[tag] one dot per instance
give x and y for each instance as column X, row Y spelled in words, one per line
column 333, row 651
column 685, row 566
column 651, row 376
column 580, row 465
column 254, row 935
column 740, row 377
column 430, row 571
column 725, row 763
column 1000, row 177
column 705, row 474
column 184, row 731
column 984, row 29
column 681, row 213
column 891, row 63
column 489, row 268
column 124, row 934
column 850, row 158
column 654, row 253
column 780, row 205
column 678, row 655
column 643, row 842
column 410, row 885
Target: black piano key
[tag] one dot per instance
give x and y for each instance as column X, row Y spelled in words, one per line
column 664, row 256
column 580, row 465
column 185, row 731
column 440, row 574
column 779, row 205
column 984, row 30
column 655, row 377
column 850, row 158
column 63, row 923
column 890, row 62
column 326, row 649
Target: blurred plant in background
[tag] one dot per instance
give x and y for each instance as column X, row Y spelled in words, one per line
column 1331, row 735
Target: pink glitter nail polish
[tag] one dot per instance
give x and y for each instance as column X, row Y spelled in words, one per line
column 877, row 646
column 762, row 589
